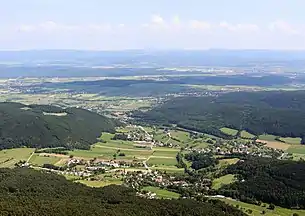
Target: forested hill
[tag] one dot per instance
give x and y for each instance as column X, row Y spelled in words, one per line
column 280, row 113
column 43, row 126
column 30, row 192
column 268, row 180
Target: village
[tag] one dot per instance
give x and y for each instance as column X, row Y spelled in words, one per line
column 146, row 140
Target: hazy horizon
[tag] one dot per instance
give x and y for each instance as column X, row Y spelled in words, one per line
column 165, row 25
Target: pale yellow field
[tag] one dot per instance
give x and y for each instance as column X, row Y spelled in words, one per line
column 275, row 144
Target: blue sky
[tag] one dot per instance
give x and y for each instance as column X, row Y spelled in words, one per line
column 153, row 24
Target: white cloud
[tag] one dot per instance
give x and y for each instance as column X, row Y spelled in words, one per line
column 99, row 27
column 284, row 27
column 157, row 19
column 200, row 25
column 239, row 27
column 51, row 27
column 176, row 20
column 26, row 28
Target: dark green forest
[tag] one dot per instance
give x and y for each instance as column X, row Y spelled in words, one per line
column 268, row 180
column 22, row 125
column 201, row 160
column 29, row 192
column 277, row 112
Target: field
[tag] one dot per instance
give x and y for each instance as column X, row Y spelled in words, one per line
column 107, row 151
column 9, row 157
column 224, row 180
column 229, row 131
column 297, row 149
column 176, row 137
column 227, row 162
column 257, row 210
column 199, row 144
column 38, row 160
column 109, row 103
column 161, row 158
column 275, row 144
column 246, row 135
column 180, row 135
column 291, row 140
column 100, row 183
column 162, row 193
column 165, row 152
column 267, row 137
column 161, row 137
column 168, row 169
column 153, row 161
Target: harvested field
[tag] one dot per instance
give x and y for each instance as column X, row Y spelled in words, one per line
column 275, row 145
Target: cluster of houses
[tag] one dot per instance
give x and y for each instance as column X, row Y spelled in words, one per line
column 235, row 147
column 147, row 194
column 139, row 179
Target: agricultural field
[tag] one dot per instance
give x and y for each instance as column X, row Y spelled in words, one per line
column 267, row 137
column 9, row 157
column 109, row 148
column 297, row 149
column 229, row 131
column 165, row 194
column 291, row 140
column 103, row 104
column 227, row 162
column 275, row 144
column 224, row 180
column 246, row 135
column 38, row 160
column 101, row 183
column 160, row 136
column 180, row 135
column 165, row 152
column 108, row 136
column 168, row 169
column 159, row 162
column 257, row 210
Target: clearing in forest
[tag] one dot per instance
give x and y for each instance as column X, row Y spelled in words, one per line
column 229, row 131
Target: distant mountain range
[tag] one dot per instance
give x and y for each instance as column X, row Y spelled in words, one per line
column 154, row 57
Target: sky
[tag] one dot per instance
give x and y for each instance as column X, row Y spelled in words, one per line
column 152, row 24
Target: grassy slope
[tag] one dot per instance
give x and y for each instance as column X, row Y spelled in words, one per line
column 162, row 193
column 224, row 180
column 101, row 183
column 229, row 131
column 291, row 140
column 267, row 137
column 162, row 161
column 257, row 210
column 298, row 149
column 246, row 135
column 11, row 156
column 40, row 160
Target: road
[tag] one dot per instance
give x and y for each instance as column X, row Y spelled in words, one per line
column 145, row 164
column 30, row 157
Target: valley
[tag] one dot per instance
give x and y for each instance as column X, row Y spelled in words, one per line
column 169, row 134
